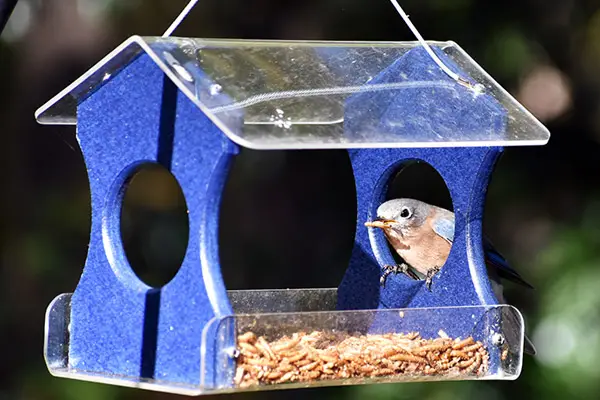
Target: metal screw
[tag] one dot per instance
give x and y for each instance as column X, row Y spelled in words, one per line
column 498, row 339
column 232, row 352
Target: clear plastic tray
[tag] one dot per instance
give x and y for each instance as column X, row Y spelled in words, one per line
column 328, row 347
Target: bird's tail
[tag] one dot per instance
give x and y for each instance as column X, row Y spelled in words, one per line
column 511, row 327
column 528, row 347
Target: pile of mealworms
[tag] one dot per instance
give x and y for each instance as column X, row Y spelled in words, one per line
column 305, row 357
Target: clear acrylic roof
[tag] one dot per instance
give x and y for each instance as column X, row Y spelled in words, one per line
column 295, row 95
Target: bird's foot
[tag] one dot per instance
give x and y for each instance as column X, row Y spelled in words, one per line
column 395, row 269
column 429, row 277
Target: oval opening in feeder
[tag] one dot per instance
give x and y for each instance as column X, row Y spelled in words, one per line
column 419, row 181
column 154, row 225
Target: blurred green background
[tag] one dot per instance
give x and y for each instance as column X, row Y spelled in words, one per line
column 288, row 217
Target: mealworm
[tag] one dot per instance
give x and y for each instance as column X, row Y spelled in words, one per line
column 247, row 337
column 462, row 343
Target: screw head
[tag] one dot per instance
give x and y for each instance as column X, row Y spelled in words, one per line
column 498, row 339
column 232, row 352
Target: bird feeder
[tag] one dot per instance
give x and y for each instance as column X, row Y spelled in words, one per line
column 189, row 105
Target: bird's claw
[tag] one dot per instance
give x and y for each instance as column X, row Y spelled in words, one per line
column 395, row 269
column 429, row 277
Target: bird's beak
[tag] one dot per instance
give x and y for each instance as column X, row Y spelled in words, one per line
column 380, row 223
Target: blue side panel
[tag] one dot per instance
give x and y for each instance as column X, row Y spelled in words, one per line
column 118, row 324
column 201, row 160
column 466, row 172
column 432, row 107
column 463, row 279
column 422, row 114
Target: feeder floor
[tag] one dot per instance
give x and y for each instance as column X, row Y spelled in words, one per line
column 328, row 355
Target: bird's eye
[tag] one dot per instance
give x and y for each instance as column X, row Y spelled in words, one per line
column 405, row 213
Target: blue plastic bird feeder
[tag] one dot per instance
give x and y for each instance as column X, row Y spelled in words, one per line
column 188, row 105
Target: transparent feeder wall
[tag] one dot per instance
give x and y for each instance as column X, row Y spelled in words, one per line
column 307, row 349
column 284, row 95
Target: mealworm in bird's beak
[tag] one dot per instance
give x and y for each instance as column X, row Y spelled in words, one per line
column 378, row 224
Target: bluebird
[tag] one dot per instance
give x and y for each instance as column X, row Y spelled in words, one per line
column 422, row 235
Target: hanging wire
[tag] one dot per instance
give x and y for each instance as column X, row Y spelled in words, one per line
column 180, row 18
column 6, row 8
column 428, row 48
column 398, row 8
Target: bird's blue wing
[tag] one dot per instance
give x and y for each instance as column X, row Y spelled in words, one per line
column 495, row 259
column 444, row 227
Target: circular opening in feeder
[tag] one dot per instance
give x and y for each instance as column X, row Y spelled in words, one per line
column 419, row 181
column 154, row 225
column 287, row 219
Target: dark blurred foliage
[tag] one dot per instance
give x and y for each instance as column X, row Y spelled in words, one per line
column 288, row 217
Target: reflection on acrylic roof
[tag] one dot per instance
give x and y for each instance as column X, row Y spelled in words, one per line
column 297, row 95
